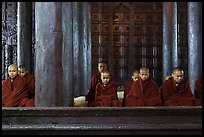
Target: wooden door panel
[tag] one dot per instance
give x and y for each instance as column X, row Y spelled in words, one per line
column 129, row 35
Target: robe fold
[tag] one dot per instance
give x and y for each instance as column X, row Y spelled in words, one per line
column 127, row 88
column 106, row 95
column 143, row 94
column 198, row 89
column 90, row 97
column 18, row 97
column 31, row 84
column 180, row 95
column 31, row 87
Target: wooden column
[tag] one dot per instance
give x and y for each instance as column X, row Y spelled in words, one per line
column 24, row 35
column 67, row 54
column 194, row 42
column 48, row 54
column 170, row 48
column 174, row 33
column 63, row 52
column 81, row 47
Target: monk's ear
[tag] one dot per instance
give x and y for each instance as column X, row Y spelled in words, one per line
column 172, row 74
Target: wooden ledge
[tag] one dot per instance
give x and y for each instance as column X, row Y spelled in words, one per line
column 102, row 111
column 102, row 120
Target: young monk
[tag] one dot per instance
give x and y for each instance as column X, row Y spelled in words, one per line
column 15, row 90
column 144, row 91
column 128, row 85
column 106, row 92
column 198, row 89
column 95, row 79
column 30, row 81
column 176, row 91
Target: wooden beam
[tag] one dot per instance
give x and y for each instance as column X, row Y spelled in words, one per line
column 102, row 120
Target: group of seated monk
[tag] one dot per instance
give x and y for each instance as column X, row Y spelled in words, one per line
column 142, row 90
column 18, row 90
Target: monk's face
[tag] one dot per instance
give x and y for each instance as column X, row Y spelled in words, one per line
column 21, row 72
column 178, row 76
column 144, row 75
column 101, row 67
column 12, row 71
column 135, row 76
column 105, row 77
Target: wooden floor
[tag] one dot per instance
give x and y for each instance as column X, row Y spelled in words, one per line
column 102, row 121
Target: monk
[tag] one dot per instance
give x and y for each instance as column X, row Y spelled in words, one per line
column 198, row 89
column 106, row 92
column 144, row 91
column 23, row 72
column 95, row 79
column 127, row 87
column 176, row 91
column 15, row 90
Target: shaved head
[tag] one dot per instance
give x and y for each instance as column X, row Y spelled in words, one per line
column 22, row 70
column 13, row 66
column 144, row 69
column 177, row 69
column 105, row 76
column 102, row 66
column 144, row 73
column 178, row 74
column 135, row 75
column 13, row 71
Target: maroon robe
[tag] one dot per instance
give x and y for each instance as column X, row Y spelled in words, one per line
column 95, row 79
column 18, row 97
column 198, row 90
column 180, row 95
column 31, row 86
column 143, row 94
column 106, row 95
column 90, row 97
column 127, row 88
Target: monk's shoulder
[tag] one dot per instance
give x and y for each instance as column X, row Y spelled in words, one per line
column 151, row 81
column 4, row 82
column 20, row 79
column 30, row 75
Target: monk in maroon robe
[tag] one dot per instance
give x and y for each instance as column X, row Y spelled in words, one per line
column 106, row 92
column 30, row 82
column 144, row 91
column 95, row 79
column 14, row 89
column 198, row 89
column 176, row 90
column 128, row 85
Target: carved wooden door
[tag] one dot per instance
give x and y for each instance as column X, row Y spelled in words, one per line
column 127, row 35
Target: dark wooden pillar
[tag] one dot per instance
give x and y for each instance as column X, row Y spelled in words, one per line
column 63, row 52
column 24, row 35
column 170, row 48
column 50, row 66
column 194, row 42
column 81, row 47
column 174, row 32
column 67, row 54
